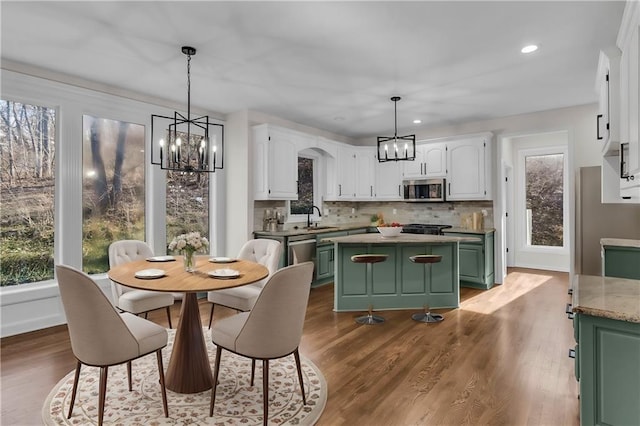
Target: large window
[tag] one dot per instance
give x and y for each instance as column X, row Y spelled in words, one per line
column 187, row 204
column 27, row 151
column 113, row 188
column 544, row 183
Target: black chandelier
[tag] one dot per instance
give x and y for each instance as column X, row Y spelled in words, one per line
column 185, row 144
column 403, row 148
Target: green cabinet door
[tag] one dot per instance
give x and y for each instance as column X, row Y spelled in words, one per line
column 609, row 364
column 325, row 256
column 622, row 262
column 476, row 260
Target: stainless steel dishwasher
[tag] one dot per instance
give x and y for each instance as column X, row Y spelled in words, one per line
column 301, row 248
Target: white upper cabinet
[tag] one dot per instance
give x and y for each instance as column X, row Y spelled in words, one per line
column 355, row 172
column 469, row 169
column 629, row 44
column 430, row 162
column 346, row 172
column 388, row 180
column 435, row 156
column 275, row 163
column 608, row 88
column 365, row 173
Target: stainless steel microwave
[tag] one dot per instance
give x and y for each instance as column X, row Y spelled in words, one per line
column 424, row 190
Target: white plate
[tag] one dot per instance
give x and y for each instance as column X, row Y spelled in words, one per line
column 148, row 274
column 222, row 260
column 224, row 273
column 160, row 259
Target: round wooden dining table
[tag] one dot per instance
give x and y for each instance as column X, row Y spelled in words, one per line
column 188, row 370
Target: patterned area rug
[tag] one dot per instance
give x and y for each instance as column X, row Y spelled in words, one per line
column 236, row 401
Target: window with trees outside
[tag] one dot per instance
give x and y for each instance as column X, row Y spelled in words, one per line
column 187, row 204
column 27, row 179
column 544, row 187
column 113, row 188
column 305, row 188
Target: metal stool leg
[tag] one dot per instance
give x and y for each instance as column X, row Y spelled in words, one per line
column 370, row 319
column 427, row 316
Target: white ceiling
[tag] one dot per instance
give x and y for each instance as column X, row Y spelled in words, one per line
column 329, row 65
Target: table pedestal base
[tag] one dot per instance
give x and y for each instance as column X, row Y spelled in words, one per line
column 189, row 370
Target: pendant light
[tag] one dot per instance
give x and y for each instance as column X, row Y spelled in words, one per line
column 185, row 144
column 396, row 148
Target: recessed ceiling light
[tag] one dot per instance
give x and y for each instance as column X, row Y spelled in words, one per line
column 417, row 121
column 529, row 49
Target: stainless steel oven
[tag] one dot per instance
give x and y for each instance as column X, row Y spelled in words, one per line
column 424, row 190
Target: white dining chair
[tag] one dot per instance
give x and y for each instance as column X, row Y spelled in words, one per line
column 131, row 300
column 264, row 251
column 100, row 337
column 272, row 329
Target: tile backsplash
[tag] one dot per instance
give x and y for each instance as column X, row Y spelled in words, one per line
column 344, row 212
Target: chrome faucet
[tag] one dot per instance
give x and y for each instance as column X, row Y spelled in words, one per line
column 309, row 215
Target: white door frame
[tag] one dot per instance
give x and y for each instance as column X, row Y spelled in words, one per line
column 525, row 255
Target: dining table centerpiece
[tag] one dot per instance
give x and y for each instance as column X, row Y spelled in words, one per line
column 188, row 244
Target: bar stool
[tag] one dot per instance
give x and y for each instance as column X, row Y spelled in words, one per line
column 369, row 260
column 426, row 316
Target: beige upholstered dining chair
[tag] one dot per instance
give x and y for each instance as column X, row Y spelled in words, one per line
column 271, row 330
column 101, row 337
column 129, row 299
column 263, row 251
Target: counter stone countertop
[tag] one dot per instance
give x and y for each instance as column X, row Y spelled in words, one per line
column 619, row 242
column 313, row 231
column 470, row 231
column 607, row 297
column 376, row 238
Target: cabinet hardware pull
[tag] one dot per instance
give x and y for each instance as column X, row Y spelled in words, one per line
column 572, row 353
column 371, row 190
column 339, row 189
column 598, row 117
column 570, row 291
column 568, row 310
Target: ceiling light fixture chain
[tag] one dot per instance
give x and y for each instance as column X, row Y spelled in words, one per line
column 185, row 144
column 404, row 153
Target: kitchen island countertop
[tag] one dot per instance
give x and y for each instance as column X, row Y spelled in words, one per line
column 607, row 297
column 619, row 242
column 376, row 238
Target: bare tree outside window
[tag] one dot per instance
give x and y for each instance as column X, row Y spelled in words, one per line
column 187, row 203
column 305, row 187
column 113, row 188
column 27, row 183
column 544, row 199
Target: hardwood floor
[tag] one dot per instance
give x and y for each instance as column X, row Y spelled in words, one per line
column 500, row 359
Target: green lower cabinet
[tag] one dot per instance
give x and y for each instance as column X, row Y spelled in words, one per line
column 325, row 263
column 476, row 260
column 609, row 371
column 622, row 262
column 396, row 283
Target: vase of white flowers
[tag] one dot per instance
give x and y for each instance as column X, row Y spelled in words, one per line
column 188, row 244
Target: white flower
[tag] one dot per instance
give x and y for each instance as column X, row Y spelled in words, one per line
column 191, row 241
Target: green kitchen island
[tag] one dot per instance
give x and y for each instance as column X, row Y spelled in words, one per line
column 397, row 283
